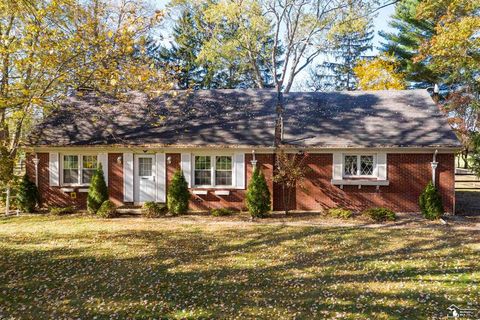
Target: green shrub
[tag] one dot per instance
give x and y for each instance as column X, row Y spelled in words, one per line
column 258, row 196
column 178, row 195
column 153, row 209
column 97, row 192
column 221, row 212
column 430, row 202
column 59, row 211
column 340, row 213
column 380, row 214
column 27, row 196
column 108, row 209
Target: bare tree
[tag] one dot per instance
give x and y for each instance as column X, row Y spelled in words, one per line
column 290, row 170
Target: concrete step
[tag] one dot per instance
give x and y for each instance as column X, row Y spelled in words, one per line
column 135, row 210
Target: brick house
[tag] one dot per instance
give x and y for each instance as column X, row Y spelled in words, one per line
column 364, row 149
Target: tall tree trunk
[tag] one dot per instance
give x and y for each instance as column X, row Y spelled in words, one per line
column 256, row 71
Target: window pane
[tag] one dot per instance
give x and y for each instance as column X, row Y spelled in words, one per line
column 223, row 178
column 145, row 167
column 202, row 178
column 224, row 163
column 87, row 175
column 70, row 176
column 223, row 172
column 203, row 167
column 70, row 162
column 89, row 165
column 70, row 169
column 366, row 165
column 350, row 165
column 90, row 162
column 202, row 163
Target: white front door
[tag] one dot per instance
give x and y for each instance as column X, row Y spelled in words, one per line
column 144, row 178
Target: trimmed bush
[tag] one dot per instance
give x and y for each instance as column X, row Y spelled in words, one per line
column 97, row 192
column 153, row 209
column 258, row 196
column 221, row 212
column 430, row 202
column 340, row 213
column 178, row 195
column 27, row 196
column 108, row 209
column 380, row 214
column 59, row 211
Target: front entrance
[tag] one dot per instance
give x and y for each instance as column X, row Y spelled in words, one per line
column 144, row 177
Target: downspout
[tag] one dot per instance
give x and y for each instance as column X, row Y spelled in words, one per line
column 434, row 165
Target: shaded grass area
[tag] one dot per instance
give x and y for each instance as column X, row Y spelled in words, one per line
column 83, row 267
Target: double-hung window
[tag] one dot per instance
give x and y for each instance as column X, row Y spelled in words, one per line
column 203, row 171
column 70, row 169
column 89, row 165
column 223, row 171
column 359, row 166
column 79, row 169
column 211, row 171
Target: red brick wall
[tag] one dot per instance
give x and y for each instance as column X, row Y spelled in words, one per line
column 236, row 199
column 54, row 196
column 408, row 175
column 115, row 178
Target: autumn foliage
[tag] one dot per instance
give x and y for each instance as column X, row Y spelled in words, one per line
column 380, row 73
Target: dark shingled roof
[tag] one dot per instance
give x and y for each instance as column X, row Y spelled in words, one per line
column 390, row 118
column 185, row 118
column 228, row 118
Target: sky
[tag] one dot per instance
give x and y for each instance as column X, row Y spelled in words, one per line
column 380, row 23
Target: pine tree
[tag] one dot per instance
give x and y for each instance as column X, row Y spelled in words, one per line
column 220, row 72
column 404, row 43
column 27, row 196
column 178, row 195
column 258, row 196
column 98, row 191
column 181, row 57
column 347, row 50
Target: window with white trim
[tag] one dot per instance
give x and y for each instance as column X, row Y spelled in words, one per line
column 203, row 171
column 78, row 169
column 211, row 171
column 70, row 169
column 89, row 165
column 223, row 171
column 358, row 165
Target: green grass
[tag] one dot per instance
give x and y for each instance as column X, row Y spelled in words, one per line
column 84, row 267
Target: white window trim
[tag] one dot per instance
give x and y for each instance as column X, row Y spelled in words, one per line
column 359, row 155
column 80, row 168
column 213, row 165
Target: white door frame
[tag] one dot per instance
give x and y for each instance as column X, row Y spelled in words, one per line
column 136, row 179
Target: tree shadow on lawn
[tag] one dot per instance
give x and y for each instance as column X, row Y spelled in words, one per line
column 255, row 272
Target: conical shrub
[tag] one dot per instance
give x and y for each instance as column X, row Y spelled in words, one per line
column 430, row 202
column 178, row 195
column 98, row 191
column 258, row 196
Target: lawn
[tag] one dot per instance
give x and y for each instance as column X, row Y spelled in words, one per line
column 81, row 267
